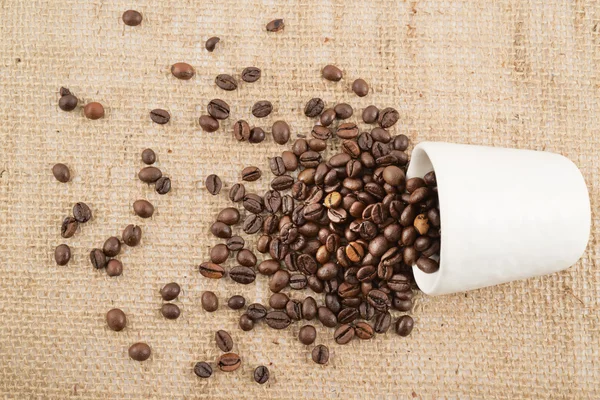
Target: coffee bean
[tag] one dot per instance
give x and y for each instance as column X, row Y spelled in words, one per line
column 282, row 182
column 242, row 275
column 223, row 340
column 62, row 254
column 290, row 160
column 98, row 259
column 116, row 319
column 236, row 302
column 218, row 109
column 261, row 374
column 82, row 212
column 220, row 230
column 410, row 255
column 246, row 258
column 314, row 107
column 299, row 146
column 257, row 135
column 245, row 323
column 370, row 114
column 139, row 351
column 229, row 216
column 337, row 216
column 67, row 102
column 309, row 308
column 281, row 132
column 208, row 123
column 170, row 311
column 366, row 311
column 393, row 175
column 427, row 265
column 364, row 330
column 347, row 130
column 253, row 203
column 278, row 301
column 379, row 300
column 114, row 268
column 388, row 117
column 93, row 111
column 275, row 25
column 287, row 205
column 203, row 369
column 143, row 208
column 160, row 116
column 299, row 190
column 306, row 264
column 360, row 87
column 332, row 73
column 210, row 302
column 251, row 74
column 211, row 270
column 343, row 334
column 262, row 108
column 163, row 185
column 382, row 322
column 251, row 174
column 408, row 215
column 298, row 281
column 241, row 130
column 401, row 304
column 279, row 280
column 355, row 252
column 315, row 284
column 421, row 224
column 170, row 291
column 211, row 43
column 277, row 166
column 404, row 325
column 327, row 317
column 307, row 334
column 293, row 309
column 314, row 212
column 343, row 111
column 317, row 145
column 235, row 243
column 320, row 354
column 213, row 184
column 148, row 156
column 327, row 117
column 310, row 159
column 321, row 132
column 226, row 82
column 252, row 223
column 229, row 362
column 61, row 173
column 132, row 18
column 182, row 71
column 419, row 195
column 149, row 174
column 237, row 192
column 351, row 148
column 277, row 320
column 347, row 315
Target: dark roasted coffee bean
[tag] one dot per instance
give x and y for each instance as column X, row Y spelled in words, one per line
column 277, row 320
column 327, row 117
column 370, row 114
column 218, row 109
column 253, row 203
column 98, row 259
column 220, row 230
column 149, row 174
column 363, row 330
column 332, row 73
column 332, row 302
column 366, row 273
column 427, row 265
column 61, row 173
column 320, row 354
column 419, row 195
column 382, row 322
column 401, row 304
column 422, row 243
column 409, row 235
column 299, row 190
column 229, row 216
column 251, row 74
column 252, row 223
column 116, row 319
column 343, row 111
column 288, row 233
column 339, row 160
column 430, row 179
column 347, row 130
column 298, row 281
column 67, row 101
column 306, row 264
column 360, row 87
column 143, row 208
column 293, row 309
column 315, row 284
column 210, row 302
column 163, row 185
column 208, row 123
column 211, row 43
column 170, row 311
column 379, row 300
column 160, row 116
column 246, row 324
column 262, row 108
column 338, row 216
column 399, row 283
column 327, row 317
column 350, row 275
column 229, row 362
column 246, row 258
column 226, row 82
column 351, row 148
column 413, row 184
column 314, row 212
column 62, row 254
column 170, row 291
column 321, row 132
column 279, row 280
column 257, row 135
column 211, row 270
column 275, row 25
column 256, row 311
column 378, row 246
column 132, row 235
column 307, row 334
column 290, row 161
column 237, row 192
column 367, row 160
column 308, row 177
column 327, row 271
column 261, row 374
column 278, row 301
column 282, row 182
column 272, row 201
column 314, row 107
column 347, row 290
column 400, row 142
column 213, row 184
column 309, row 308
column 404, row 325
column 219, row 253
column 263, row 243
column 393, row 175
column 236, row 302
column 182, row 71
column 93, row 110
column 410, row 255
column 408, row 215
column 139, row 351
column 388, row 117
column 347, row 315
column 235, row 243
column 310, row 159
column 379, row 150
column 82, row 212
column 433, row 216
column 281, row 132
column 366, row 311
column 344, row 334
column 203, row 369
column 381, row 135
column 277, row 166
column 241, row 130
column 300, row 146
column 243, row 275
column 353, row 168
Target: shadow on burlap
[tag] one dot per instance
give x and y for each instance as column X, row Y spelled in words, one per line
column 514, row 73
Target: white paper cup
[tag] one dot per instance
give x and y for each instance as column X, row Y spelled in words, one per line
column 506, row 214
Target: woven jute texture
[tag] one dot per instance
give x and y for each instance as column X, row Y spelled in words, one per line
column 510, row 73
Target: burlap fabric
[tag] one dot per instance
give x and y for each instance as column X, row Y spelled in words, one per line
column 513, row 73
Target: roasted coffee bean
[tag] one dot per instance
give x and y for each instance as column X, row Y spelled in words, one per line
column 203, row 369
column 281, row 132
column 308, row 177
column 353, row 168
column 381, row 135
column 272, row 201
column 367, row 160
column 332, row 73
column 410, row 255
column 220, row 230
column 421, row 224
column 293, row 309
column 315, row 284
column 364, row 330
column 132, row 235
column 252, row 223
column 277, row 166
column 208, row 123
column 393, row 175
column 427, row 265
column 327, row 317
column 278, row 250
column 211, row 270
column 160, row 116
column 320, row 354
column 347, row 130
column 182, row 71
column 93, row 111
column 350, row 275
column 275, row 25
column 307, row 334
column 218, row 109
column 171, row 290
column 139, row 351
column 226, row 82
column 309, row 308
column 347, row 315
column 413, row 184
column 299, row 146
column 116, row 319
column 351, row 148
column 67, row 101
column 333, row 200
column 332, row 302
column 327, row 271
column 263, row 243
column 163, row 185
column 399, row 283
column 347, row 290
column 98, row 259
column 388, row 117
column 279, row 280
column 422, row 243
column 170, row 311
column 298, row 281
column 229, row 216
column 314, row 107
column 246, row 258
column 251, row 74
column 370, row 114
column 241, row 130
column 337, row 216
column 243, row 275
column 419, row 195
column 404, row 325
column 430, row 179
column 321, row 132
column 278, row 301
column 401, row 304
column 343, row 111
column 433, row 215
column 344, row 334
column 306, row 264
column 282, row 182
column 366, row 311
column 408, row 215
column 290, row 161
column 379, row 300
column 409, row 235
column 299, row 190
column 235, row 243
column 261, row 374
column 327, row 117
column 257, row 135
column 229, row 362
column 360, row 87
column 253, row 203
column 256, row 311
column 149, row 174
column 61, row 173
column 382, row 322
column 62, row 254
column 237, row 192
column 277, row 320
column 339, row 160
column 210, row 302
column 366, row 273
column 82, row 212
column 262, row 108
column 143, row 208
column 367, row 230
column 355, row 252
column 236, row 302
column 310, row 159
column 246, row 324
column 211, row 43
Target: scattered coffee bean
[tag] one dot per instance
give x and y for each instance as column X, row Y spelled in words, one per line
column 93, row 110
column 251, row 74
column 236, row 302
column 427, row 265
column 261, row 374
column 327, row 117
column 67, row 101
column 143, row 208
column 114, row 268
column 241, row 130
column 343, row 111
column 252, row 224
column 320, row 354
column 363, row 330
column 132, row 18
column 211, row 270
column 182, row 71
column 277, row 320
column 98, row 259
column 382, row 322
column 149, row 174
column 148, row 157
column 344, row 334
column 332, row 73
column 256, row 311
column 307, row 334
column 221, row 230
column 170, row 311
column 257, row 135
column 203, row 369
column 360, row 87
column 229, row 216
column 281, row 132
column 132, row 235
column 213, row 184
column 242, row 275
column 163, row 185
column 224, row 341
column 370, row 115
column 140, row 351
column 218, row 109
column 68, row 227
column 388, row 117
column 246, row 258
column 246, row 324
column 314, row 107
column 404, row 325
column 327, row 317
column 211, row 43
column 160, row 116
column 170, row 291
column 237, row 192
column 262, row 108
column 229, row 362
column 62, row 254
column 116, row 319
column 278, row 301
column 209, row 301
column 61, row 173
column 226, row 82
column 208, row 123
column 275, row 25
column 251, row 174
column 112, row 246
